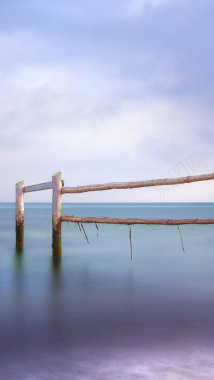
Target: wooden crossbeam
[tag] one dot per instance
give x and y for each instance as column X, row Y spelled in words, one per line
column 137, row 184
column 129, row 221
column 40, row 186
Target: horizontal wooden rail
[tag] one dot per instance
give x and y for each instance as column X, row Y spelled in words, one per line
column 79, row 219
column 132, row 185
column 40, row 186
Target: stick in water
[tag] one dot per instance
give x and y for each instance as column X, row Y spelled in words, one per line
column 97, row 228
column 84, row 233
column 181, row 239
column 130, row 239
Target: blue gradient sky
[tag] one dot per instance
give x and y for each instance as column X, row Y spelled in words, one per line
column 107, row 91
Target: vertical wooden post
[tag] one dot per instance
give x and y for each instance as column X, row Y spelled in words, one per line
column 56, row 216
column 20, row 215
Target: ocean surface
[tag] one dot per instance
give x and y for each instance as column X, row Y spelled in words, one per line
column 98, row 314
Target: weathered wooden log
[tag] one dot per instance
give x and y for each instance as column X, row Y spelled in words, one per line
column 56, row 216
column 129, row 221
column 40, row 186
column 20, row 215
column 132, row 185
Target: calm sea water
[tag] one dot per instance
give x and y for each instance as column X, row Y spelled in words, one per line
column 98, row 314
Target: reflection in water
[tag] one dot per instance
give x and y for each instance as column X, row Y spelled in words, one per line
column 98, row 315
column 56, row 267
column 18, row 279
column 18, row 258
column 56, row 328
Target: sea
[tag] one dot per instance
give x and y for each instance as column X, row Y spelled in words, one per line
column 98, row 313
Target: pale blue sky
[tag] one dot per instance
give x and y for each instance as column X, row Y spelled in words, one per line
column 107, row 91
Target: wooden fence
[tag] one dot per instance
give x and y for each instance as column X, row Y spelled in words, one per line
column 57, row 186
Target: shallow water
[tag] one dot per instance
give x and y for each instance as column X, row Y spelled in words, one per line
column 98, row 314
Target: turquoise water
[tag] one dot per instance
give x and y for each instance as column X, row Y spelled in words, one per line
column 98, row 314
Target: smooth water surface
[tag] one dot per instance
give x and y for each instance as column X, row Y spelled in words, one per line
column 98, row 314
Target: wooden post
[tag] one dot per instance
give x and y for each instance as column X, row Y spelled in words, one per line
column 56, row 216
column 20, row 215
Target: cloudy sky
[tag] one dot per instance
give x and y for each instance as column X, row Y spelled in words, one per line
column 107, row 91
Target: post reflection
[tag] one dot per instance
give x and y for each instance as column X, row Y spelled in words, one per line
column 56, row 266
column 18, row 254
column 56, row 306
column 18, row 277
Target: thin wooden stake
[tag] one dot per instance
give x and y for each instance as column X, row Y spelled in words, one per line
column 84, row 233
column 97, row 228
column 181, row 239
column 130, row 239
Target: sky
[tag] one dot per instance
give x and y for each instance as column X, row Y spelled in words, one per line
column 107, row 91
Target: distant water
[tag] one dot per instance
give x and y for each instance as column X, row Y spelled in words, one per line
column 99, row 315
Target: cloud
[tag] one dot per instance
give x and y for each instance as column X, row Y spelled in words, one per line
column 53, row 123
column 138, row 7
column 90, row 92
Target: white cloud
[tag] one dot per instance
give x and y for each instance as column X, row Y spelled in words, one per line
column 54, row 124
column 137, row 7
